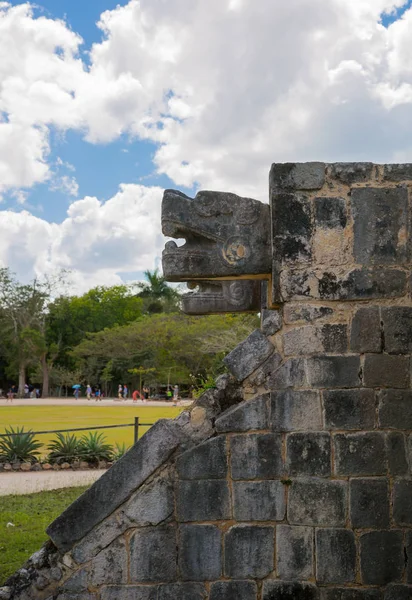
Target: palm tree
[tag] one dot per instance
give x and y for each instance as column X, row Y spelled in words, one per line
column 157, row 295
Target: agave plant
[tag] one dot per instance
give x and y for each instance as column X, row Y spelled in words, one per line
column 94, row 447
column 119, row 450
column 23, row 447
column 65, row 448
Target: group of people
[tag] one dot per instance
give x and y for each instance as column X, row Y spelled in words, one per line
column 29, row 391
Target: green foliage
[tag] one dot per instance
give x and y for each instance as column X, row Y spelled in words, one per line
column 203, row 384
column 94, row 447
column 65, row 448
column 119, row 450
column 157, row 295
column 23, row 447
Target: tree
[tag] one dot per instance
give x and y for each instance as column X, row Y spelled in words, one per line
column 157, row 295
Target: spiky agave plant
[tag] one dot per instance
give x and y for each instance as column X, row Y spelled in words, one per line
column 19, row 445
column 94, row 447
column 65, row 448
column 119, row 450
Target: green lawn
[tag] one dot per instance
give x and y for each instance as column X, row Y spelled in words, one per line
column 30, row 516
column 41, row 418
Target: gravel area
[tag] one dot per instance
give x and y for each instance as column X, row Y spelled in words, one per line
column 28, row 483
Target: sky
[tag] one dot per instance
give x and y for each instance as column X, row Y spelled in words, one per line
column 103, row 104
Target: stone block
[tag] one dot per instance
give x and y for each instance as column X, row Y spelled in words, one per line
column 308, row 454
column 258, row 501
column 334, row 371
column 203, row 500
column 360, row 454
column 397, row 455
column 256, row 456
column 384, row 370
column 315, row 501
column 315, row 340
column 351, row 172
column 296, row 176
column 366, row 334
column 271, row 321
column 233, row 590
column 116, row 485
column 77, row 583
column 397, row 323
column 129, row 592
column 335, row 556
column 248, row 415
column 351, row 594
column 408, row 554
column 294, row 552
column 292, row 227
column 262, row 375
column 381, row 556
column 200, row 552
column 349, row 409
column 380, row 222
column 153, row 554
column 249, row 551
column 296, row 411
column 182, row 591
column 100, row 537
column 285, row 590
column 398, row 172
column 248, row 355
column 369, row 503
column 289, row 374
column 206, row 461
column 298, row 312
column 402, row 502
column 395, row 409
column 362, row 284
column 110, row 565
column 330, row 213
column 398, row 592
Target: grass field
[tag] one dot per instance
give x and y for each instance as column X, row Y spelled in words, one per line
column 29, row 515
column 41, row 418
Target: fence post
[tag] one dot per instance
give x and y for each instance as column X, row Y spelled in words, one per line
column 136, row 429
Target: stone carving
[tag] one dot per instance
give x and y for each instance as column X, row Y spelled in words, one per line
column 222, row 297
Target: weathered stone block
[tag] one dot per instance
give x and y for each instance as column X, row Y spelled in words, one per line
column 335, row 556
column 248, row 415
column 292, row 228
column 100, row 537
column 384, row 370
column 358, row 172
column 256, row 456
column 398, row 592
column 258, row 501
column 398, row 172
column 330, row 213
column 290, row 374
column 285, row 590
column 271, row 321
column 206, row 461
column 315, row 340
column 308, row 454
column 382, row 558
column 366, row 335
column 402, row 502
column 380, row 221
column 262, row 375
column 334, row 371
column 110, row 565
column 153, row 554
column 397, row 455
column 296, row 410
column 317, row 502
column 203, row 500
column 182, row 591
column 351, row 594
column 200, row 552
column 296, row 176
column 233, row 590
column 248, row 355
column 395, row 409
column 408, row 554
column 369, row 503
column 362, row 284
column 360, row 454
column 249, row 551
column 397, row 323
column 129, row 592
column 294, row 552
column 308, row 314
column 349, row 409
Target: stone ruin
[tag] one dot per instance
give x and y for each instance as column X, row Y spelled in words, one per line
column 292, row 478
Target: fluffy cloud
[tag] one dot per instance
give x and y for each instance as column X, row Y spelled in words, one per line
column 224, row 87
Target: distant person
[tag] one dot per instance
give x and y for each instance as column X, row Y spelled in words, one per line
column 120, row 391
column 76, row 393
column 26, row 390
column 10, row 395
column 98, row 394
column 88, row 391
column 135, row 395
column 125, row 392
column 37, row 392
column 175, row 395
column 146, row 393
column 169, row 394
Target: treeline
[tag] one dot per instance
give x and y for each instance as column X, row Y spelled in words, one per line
column 130, row 334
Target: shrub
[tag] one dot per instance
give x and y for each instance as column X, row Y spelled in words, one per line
column 119, row 450
column 65, row 448
column 23, row 447
column 94, row 447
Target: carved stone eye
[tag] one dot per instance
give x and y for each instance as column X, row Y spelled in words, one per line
column 235, row 251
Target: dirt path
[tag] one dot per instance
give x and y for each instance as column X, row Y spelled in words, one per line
column 28, row 483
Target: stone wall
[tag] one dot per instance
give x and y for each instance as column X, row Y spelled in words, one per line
column 292, row 479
